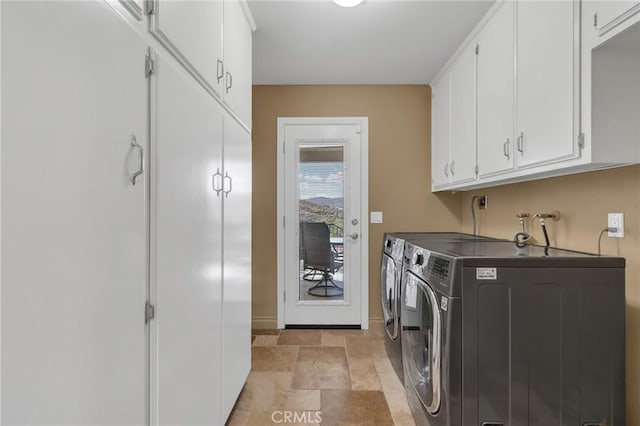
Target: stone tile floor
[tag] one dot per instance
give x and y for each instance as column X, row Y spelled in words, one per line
column 343, row 375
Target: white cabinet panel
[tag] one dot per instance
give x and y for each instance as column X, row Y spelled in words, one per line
column 545, row 81
column 495, row 93
column 192, row 31
column 463, row 117
column 441, row 130
column 236, row 343
column 73, row 225
column 608, row 13
column 186, row 250
column 237, row 61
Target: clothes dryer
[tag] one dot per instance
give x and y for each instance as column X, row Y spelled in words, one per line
column 390, row 278
column 494, row 334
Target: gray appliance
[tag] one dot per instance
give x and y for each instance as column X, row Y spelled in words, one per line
column 390, row 279
column 494, row 335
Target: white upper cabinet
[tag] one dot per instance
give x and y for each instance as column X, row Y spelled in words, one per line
column 495, row 93
column 462, row 167
column 441, row 131
column 237, row 61
column 546, row 82
column 212, row 40
column 192, row 32
column 609, row 14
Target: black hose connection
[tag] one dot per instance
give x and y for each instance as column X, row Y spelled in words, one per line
column 521, row 238
column 542, row 216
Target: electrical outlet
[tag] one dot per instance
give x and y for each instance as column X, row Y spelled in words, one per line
column 482, row 202
column 616, row 221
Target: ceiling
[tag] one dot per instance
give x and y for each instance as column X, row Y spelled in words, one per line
column 377, row 42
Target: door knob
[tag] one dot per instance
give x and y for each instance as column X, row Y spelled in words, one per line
column 354, row 235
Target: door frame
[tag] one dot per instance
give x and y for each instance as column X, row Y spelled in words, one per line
column 363, row 122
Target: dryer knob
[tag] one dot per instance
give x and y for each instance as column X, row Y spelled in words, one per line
column 419, row 259
column 388, row 243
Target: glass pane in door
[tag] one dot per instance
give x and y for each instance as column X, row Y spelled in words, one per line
column 321, row 220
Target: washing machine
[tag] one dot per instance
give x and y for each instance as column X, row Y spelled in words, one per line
column 390, row 278
column 494, row 334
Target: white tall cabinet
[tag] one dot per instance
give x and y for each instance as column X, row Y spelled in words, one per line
column 74, row 274
column 126, row 213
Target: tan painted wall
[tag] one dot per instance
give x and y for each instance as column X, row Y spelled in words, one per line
column 584, row 201
column 399, row 172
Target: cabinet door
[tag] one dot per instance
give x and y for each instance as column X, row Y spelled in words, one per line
column 546, row 81
column 463, row 117
column 73, row 225
column 495, row 93
column 186, row 251
column 236, row 309
column 441, row 131
column 192, row 31
column 237, row 61
column 608, row 11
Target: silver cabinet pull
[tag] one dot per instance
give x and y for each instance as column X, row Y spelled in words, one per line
column 227, row 178
column 451, row 168
column 521, row 143
column 446, row 170
column 216, row 182
column 353, row 235
column 229, row 81
column 135, row 145
column 505, row 149
column 220, row 70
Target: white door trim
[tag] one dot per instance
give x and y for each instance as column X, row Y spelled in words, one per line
column 363, row 122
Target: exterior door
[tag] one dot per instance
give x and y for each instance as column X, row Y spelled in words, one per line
column 323, row 223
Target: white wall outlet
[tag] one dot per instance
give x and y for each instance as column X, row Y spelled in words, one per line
column 616, row 221
column 376, row 217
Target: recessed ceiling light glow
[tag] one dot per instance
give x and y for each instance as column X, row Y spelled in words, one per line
column 347, row 3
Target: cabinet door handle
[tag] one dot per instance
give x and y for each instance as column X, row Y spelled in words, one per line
column 505, row 149
column 446, row 170
column 521, row 143
column 220, row 72
column 229, row 81
column 227, row 178
column 216, row 182
column 451, row 168
column 135, row 145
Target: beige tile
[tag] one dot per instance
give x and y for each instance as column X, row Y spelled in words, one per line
column 396, row 398
column 363, row 374
column 266, row 391
column 383, row 365
column 376, row 329
column 365, row 347
column 330, row 339
column 259, row 331
column 303, row 400
column 351, row 408
column 299, row 337
column 321, row 367
column 344, row 332
column 265, row 340
column 273, row 358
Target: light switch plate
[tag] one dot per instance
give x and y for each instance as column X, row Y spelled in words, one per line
column 376, row 217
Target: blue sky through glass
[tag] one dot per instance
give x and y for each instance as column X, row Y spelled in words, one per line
column 321, row 179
